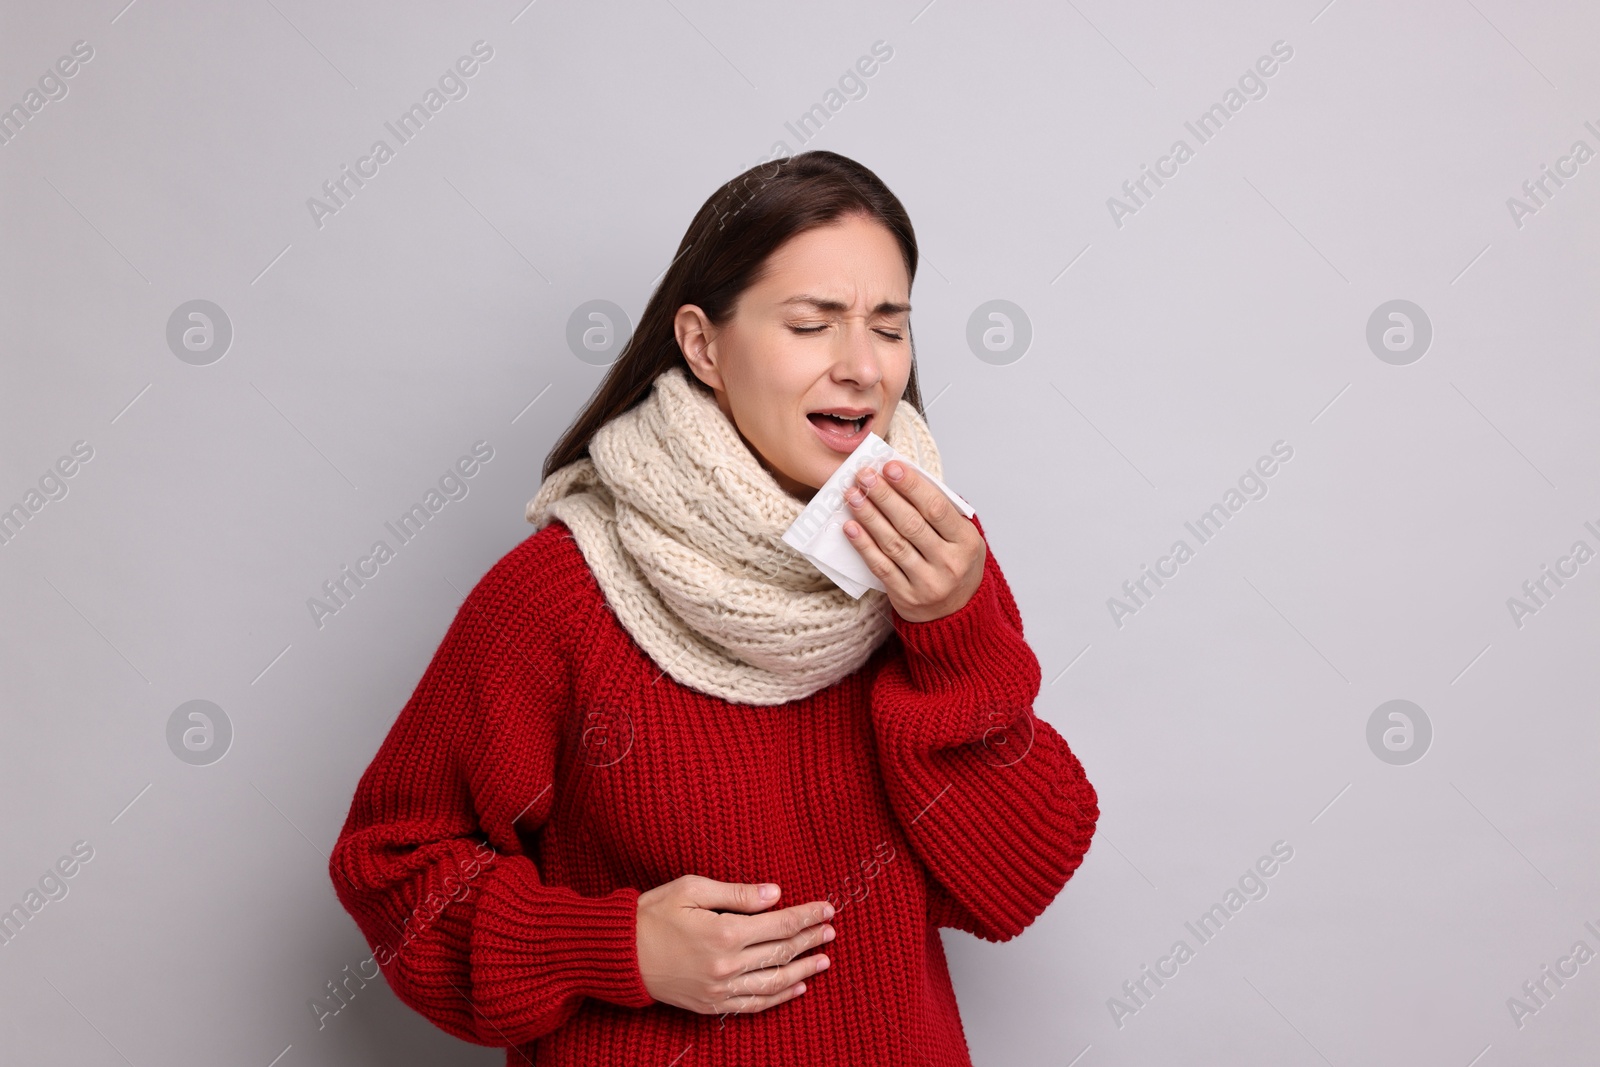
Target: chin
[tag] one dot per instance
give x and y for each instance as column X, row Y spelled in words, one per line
column 822, row 469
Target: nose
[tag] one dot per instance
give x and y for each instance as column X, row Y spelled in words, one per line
column 856, row 357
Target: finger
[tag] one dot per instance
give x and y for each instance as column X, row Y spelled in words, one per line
column 871, row 512
column 769, row 981
column 749, row 1004
column 902, row 511
column 727, row 896
column 871, row 531
column 940, row 513
column 781, row 953
column 782, row 924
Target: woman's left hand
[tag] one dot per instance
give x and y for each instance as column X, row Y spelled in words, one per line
column 926, row 553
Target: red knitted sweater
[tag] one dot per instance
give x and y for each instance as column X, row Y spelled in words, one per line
column 545, row 772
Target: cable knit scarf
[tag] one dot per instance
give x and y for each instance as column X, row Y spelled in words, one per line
column 683, row 529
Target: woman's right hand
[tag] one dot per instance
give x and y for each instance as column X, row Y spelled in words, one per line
column 693, row 957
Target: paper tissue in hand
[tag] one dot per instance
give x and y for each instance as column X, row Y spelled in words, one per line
column 818, row 534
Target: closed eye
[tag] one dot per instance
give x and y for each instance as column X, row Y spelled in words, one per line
column 890, row 334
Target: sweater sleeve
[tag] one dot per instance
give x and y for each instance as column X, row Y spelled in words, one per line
column 991, row 797
column 429, row 863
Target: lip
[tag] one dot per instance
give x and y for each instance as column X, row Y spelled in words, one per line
column 839, row 441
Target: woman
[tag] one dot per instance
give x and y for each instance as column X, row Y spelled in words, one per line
column 652, row 717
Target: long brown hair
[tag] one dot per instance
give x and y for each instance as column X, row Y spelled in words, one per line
column 721, row 255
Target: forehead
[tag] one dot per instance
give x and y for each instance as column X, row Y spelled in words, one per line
column 853, row 262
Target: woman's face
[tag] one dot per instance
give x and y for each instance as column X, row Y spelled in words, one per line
column 826, row 329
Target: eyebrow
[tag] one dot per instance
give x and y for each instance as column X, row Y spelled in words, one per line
column 887, row 307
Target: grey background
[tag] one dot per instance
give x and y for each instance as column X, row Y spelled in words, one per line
column 1167, row 354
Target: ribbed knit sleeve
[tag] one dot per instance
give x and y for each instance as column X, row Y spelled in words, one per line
column 429, row 863
column 992, row 798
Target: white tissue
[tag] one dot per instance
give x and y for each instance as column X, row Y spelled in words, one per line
column 818, row 534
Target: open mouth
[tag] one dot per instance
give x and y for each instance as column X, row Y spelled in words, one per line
column 839, row 423
column 841, row 430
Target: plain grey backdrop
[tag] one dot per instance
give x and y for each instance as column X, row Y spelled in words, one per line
column 222, row 380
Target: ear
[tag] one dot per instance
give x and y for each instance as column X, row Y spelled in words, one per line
column 697, row 341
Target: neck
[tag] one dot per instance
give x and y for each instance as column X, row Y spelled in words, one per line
column 798, row 490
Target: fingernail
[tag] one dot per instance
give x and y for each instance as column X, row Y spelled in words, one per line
column 769, row 892
column 799, row 988
column 822, row 963
column 893, row 471
column 827, row 911
column 855, row 496
column 827, row 935
column 868, row 477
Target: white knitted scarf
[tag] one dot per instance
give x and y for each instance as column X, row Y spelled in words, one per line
column 683, row 529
